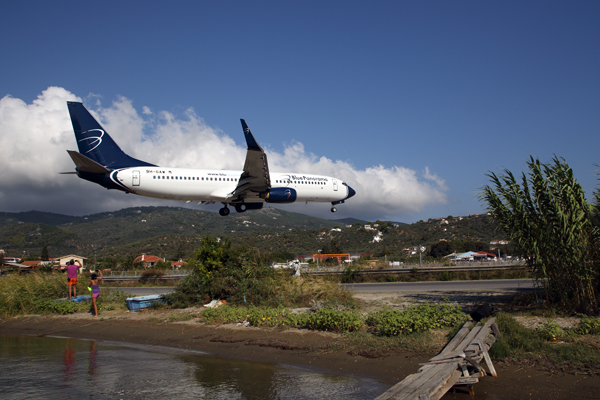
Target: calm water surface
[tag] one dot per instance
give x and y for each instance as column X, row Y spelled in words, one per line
column 60, row 368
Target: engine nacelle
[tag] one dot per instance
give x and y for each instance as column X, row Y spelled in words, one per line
column 281, row 195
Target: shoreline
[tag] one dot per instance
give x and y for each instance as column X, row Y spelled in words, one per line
column 294, row 348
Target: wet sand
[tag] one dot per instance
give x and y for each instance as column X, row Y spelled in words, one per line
column 299, row 348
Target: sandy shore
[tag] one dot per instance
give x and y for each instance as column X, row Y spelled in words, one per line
column 293, row 347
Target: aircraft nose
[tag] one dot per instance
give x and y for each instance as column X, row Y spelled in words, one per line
column 351, row 192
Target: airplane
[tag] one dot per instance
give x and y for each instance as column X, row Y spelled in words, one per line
column 101, row 161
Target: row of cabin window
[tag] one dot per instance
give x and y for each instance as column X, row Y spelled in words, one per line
column 308, row 182
column 193, row 178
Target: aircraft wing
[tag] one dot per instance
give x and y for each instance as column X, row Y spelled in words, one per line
column 255, row 178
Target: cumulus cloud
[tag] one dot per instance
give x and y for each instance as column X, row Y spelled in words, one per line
column 34, row 138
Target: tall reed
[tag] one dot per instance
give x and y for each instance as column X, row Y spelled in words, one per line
column 31, row 293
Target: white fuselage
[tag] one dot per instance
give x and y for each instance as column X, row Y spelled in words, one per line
column 216, row 185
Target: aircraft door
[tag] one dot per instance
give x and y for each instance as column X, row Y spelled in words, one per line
column 335, row 185
column 136, row 178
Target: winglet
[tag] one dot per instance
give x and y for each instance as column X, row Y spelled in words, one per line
column 250, row 140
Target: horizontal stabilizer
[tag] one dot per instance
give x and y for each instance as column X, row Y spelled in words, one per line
column 85, row 164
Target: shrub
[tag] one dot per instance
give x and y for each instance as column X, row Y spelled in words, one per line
column 328, row 319
column 422, row 318
column 588, row 326
column 242, row 275
column 550, row 330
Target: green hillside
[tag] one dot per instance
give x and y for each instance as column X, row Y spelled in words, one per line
column 174, row 233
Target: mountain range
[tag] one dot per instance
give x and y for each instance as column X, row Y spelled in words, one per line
column 174, row 232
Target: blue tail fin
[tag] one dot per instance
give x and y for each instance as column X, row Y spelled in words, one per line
column 95, row 143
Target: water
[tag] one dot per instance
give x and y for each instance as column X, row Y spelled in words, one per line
column 61, row 368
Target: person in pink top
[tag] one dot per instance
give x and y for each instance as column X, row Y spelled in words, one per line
column 71, row 269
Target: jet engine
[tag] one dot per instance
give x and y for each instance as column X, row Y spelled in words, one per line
column 280, row 195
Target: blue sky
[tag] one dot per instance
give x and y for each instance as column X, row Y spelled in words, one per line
column 411, row 102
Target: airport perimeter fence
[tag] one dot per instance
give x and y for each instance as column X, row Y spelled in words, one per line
column 317, row 270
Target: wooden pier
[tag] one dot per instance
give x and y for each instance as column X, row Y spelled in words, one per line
column 458, row 364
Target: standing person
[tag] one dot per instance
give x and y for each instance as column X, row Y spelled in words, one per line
column 72, row 276
column 95, row 290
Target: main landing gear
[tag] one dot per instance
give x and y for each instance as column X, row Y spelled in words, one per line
column 333, row 209
column 223, row 212
column 240, row 208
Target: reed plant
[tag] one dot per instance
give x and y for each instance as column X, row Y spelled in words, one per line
column 34, row 293
column 548, row 218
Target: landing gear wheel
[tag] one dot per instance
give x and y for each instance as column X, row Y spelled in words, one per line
column 240, row 208
column 333, row 209
column 223, row 212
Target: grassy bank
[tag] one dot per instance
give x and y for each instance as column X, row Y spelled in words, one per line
column 550, row 346
column 40, row 294
column 383, row 322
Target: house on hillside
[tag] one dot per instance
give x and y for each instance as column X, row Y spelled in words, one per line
column 411, row 251
column 32, row 264
column 148, row 261
column 178, row 264
column 484, row 256
column 64, row 260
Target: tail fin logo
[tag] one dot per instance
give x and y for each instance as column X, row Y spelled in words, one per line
column 95, row 140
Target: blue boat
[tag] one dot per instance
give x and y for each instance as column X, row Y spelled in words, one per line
column 140, row 302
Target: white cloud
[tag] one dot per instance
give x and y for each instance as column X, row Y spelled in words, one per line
column 34, row 138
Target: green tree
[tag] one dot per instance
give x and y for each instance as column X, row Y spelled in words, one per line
column 440, row 249
column 332, row 247
column 211, row 255
column 550, row 222
column 45, row 255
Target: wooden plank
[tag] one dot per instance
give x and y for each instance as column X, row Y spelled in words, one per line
column 423, row 382
column 448, row 368
column 418, row 384
column 467, row 380
column 460, row 335
column 460, row 348
column 451, row 382
column 451, row 346
column 488, row 361
column 496, row 330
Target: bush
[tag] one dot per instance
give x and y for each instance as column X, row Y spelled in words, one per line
column 328, row 319
column 550, row 330
column 243, row 276
column 588, row 326
column 422, row 318
column 325, row 319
